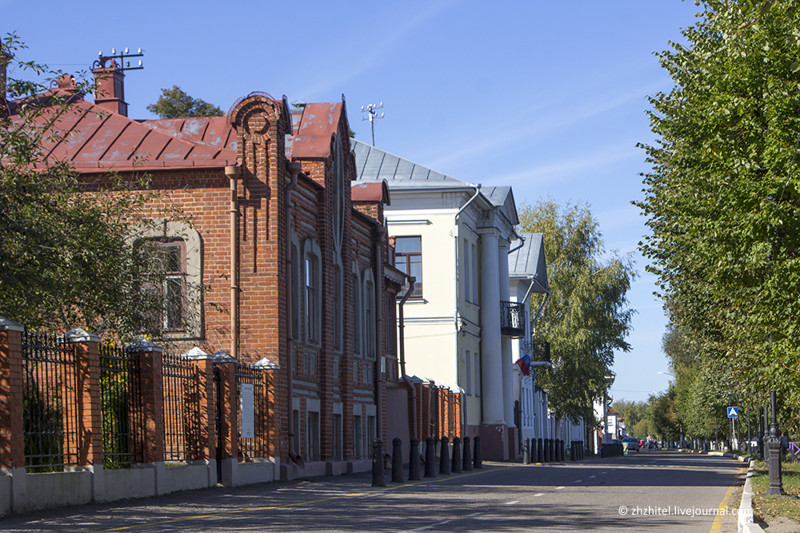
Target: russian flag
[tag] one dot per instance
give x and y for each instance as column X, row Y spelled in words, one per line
column 524, row 363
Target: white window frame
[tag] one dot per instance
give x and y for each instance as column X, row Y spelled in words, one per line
column 312, row 282
column 164, row 230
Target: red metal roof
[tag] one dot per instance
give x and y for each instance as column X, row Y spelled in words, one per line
column 372, row 192
column 98, row 140
column 318, row 122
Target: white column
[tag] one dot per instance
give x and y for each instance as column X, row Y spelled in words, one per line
column 505, row 342
column 491, row 352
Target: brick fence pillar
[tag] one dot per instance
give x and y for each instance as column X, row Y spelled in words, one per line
column 204, row 442
column 147, row 411
column 12, row 439
column 87, row 395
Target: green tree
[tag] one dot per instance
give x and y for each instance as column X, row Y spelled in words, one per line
column 631, row 412
column 586, row 318
column 722, row 199
column 174, row 103
column 67, row 258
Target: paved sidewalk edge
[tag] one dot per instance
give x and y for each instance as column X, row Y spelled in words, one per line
column 745, row 522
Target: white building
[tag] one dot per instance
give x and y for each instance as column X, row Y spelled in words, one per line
column 454, row 237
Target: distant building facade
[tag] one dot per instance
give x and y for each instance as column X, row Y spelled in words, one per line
column 455, row 238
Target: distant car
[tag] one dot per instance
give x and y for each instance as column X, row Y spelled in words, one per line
column 632, row 443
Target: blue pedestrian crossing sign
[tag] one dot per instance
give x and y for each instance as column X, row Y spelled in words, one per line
column 733, row 412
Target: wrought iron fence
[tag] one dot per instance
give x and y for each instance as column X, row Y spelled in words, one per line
column 120, row 408
column 259, row 444
column 50, row 399
column 183, row 421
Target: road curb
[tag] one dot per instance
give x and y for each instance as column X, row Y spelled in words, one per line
column 745, row 521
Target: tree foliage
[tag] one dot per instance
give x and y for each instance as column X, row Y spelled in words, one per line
column 67, row 258
column 722, row 199
column 586, row 318
column 175, row 103
column 663, row 418
column 631, row 412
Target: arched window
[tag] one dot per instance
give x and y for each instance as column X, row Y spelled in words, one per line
column 357, row 326
column 176, row 249
column 294, row 284
column 312, row 292
column 338, row 302
column 369, row 314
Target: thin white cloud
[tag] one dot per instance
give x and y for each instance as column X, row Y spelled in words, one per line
column 377, row 52
column 529, row 128
column 572, row 166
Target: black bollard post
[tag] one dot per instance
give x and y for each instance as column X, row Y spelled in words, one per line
column 546, row 450
column 540, row 450
column 430, row 457
column 413, row 462
column 559, row 457
column 378, row 479
column 552, row 449
column 477, row 458
column 561, row 449
column 467, row 455
column 444, row 456
column 457, row 461
column 397, row 461
column 526, row 452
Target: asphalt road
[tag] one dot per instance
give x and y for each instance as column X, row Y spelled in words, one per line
column 646, row 491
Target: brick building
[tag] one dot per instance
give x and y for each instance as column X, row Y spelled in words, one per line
column 282, row 262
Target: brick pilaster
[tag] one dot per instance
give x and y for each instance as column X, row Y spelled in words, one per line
column 148, row 409
column 12, row 440
column 89, row 445
column 205, row 441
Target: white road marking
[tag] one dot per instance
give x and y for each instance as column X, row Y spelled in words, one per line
column 513, row 503
column 433, row 526
column 591, row 477
column 559, row 488
column 578, row 481
column 537, row 495
column 474, row 514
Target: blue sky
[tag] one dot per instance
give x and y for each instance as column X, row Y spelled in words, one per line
column 548, row 97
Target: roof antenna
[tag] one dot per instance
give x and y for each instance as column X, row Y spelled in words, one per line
column 123, row 65
column 372, row 114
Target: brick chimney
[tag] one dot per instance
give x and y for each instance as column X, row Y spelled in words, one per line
column 110, row 89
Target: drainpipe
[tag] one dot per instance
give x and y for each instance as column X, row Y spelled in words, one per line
column 521, row 242
column 412, row 399
column 380, row 233
column 234, row 172
column 295, row 168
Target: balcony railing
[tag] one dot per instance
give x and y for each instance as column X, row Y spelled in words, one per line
column 512, row 319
